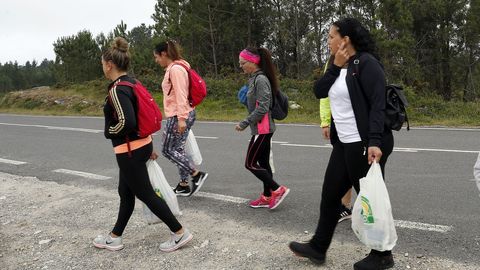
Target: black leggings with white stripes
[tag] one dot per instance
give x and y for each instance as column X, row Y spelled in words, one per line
column 135, row 182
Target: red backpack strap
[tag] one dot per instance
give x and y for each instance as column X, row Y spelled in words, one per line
column 183, row 65
column 129, row 84
column 126, row 83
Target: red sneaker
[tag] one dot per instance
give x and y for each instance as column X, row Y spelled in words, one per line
column 278, row 196
column 261, row 202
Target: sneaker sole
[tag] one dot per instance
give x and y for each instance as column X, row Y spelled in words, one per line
column 182, row 194
column 116, row 248
column 259, row 206
column 281, row 200
column 179, row 245
column 344, row 218
column 315, row 261
column 381, row 268
column 200, row 184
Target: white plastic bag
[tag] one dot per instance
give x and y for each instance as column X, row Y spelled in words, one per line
column 163, row 190
column 270, row 161
column 476, row 171
column 192, row 150
column 372, row 219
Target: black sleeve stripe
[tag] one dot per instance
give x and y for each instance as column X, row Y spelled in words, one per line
column 118, row 108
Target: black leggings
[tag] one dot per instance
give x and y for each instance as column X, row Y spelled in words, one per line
column 347, row 165
column 258, row 162
column 134, row 181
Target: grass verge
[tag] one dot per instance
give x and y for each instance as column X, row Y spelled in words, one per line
column 222, row 105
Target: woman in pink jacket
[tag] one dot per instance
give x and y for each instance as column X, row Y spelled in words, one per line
column 180, row 116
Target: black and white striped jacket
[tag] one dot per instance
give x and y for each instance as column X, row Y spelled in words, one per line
column 120, row 112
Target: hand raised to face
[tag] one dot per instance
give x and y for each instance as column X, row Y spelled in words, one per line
column 341, row 56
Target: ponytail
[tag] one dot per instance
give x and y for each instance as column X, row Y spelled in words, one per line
column 266, row 65
column 171, row 48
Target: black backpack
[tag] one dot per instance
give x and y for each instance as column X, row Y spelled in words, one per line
column 279, row 108
column 395, row 108
column 395, row 104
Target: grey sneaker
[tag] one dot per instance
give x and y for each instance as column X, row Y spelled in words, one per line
column 108, row 242
column 176, row 241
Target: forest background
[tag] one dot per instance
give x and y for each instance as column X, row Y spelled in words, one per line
column 431, row 47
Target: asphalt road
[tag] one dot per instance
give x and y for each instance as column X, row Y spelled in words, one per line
column 429, row 176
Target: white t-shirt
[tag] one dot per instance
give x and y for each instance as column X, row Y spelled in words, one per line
column 342, row 111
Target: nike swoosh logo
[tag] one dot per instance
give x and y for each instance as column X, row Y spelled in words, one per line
column 176, row 242
column 108, row 243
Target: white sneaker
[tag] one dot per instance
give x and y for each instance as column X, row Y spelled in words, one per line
column 176, row 241
column 108, row 242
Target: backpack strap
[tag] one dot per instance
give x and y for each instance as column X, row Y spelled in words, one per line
column 126, row 83
column 254, row 86
column 356, row 75
column 129, row 84
column 180, row 64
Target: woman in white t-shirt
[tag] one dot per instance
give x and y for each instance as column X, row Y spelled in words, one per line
column 355, row 85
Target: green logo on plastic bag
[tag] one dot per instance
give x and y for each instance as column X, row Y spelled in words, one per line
column 367, row 211
column 159, row 194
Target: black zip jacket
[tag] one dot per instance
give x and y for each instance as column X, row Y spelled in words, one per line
column 120, row 112
column 366, row 85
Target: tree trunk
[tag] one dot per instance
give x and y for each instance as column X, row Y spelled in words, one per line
column 212, row 40
column 446, row 70
column 297, row 42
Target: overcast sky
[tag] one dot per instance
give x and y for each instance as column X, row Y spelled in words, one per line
column 28, row 28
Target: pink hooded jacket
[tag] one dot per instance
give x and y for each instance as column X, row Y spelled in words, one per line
column 175, row 102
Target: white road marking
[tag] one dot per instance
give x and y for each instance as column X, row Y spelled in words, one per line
column 52, row 116
column 398, row 223
column 206, row 137
column 220, row 197
column 408, row 150
column 307, row 145
column 422, row 226
column 445, row 128
column 14, row 162
column 56, row 128
column 435, row 150
column 82, row 174
column 395, row 149
column 230, row 122
column 318, row 126
column 83, row 129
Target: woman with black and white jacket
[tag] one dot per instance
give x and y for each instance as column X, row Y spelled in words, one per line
column 131, row 152
column 355, row 84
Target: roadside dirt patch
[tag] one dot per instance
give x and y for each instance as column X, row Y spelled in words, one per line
column 44, row 225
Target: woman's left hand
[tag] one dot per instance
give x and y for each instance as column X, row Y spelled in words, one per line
column 182, row 126
column 342, row 55
column 374, row 153
column 238, row 128
column 154, row 155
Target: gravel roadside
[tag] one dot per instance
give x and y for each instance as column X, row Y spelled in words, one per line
column 44, row 225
